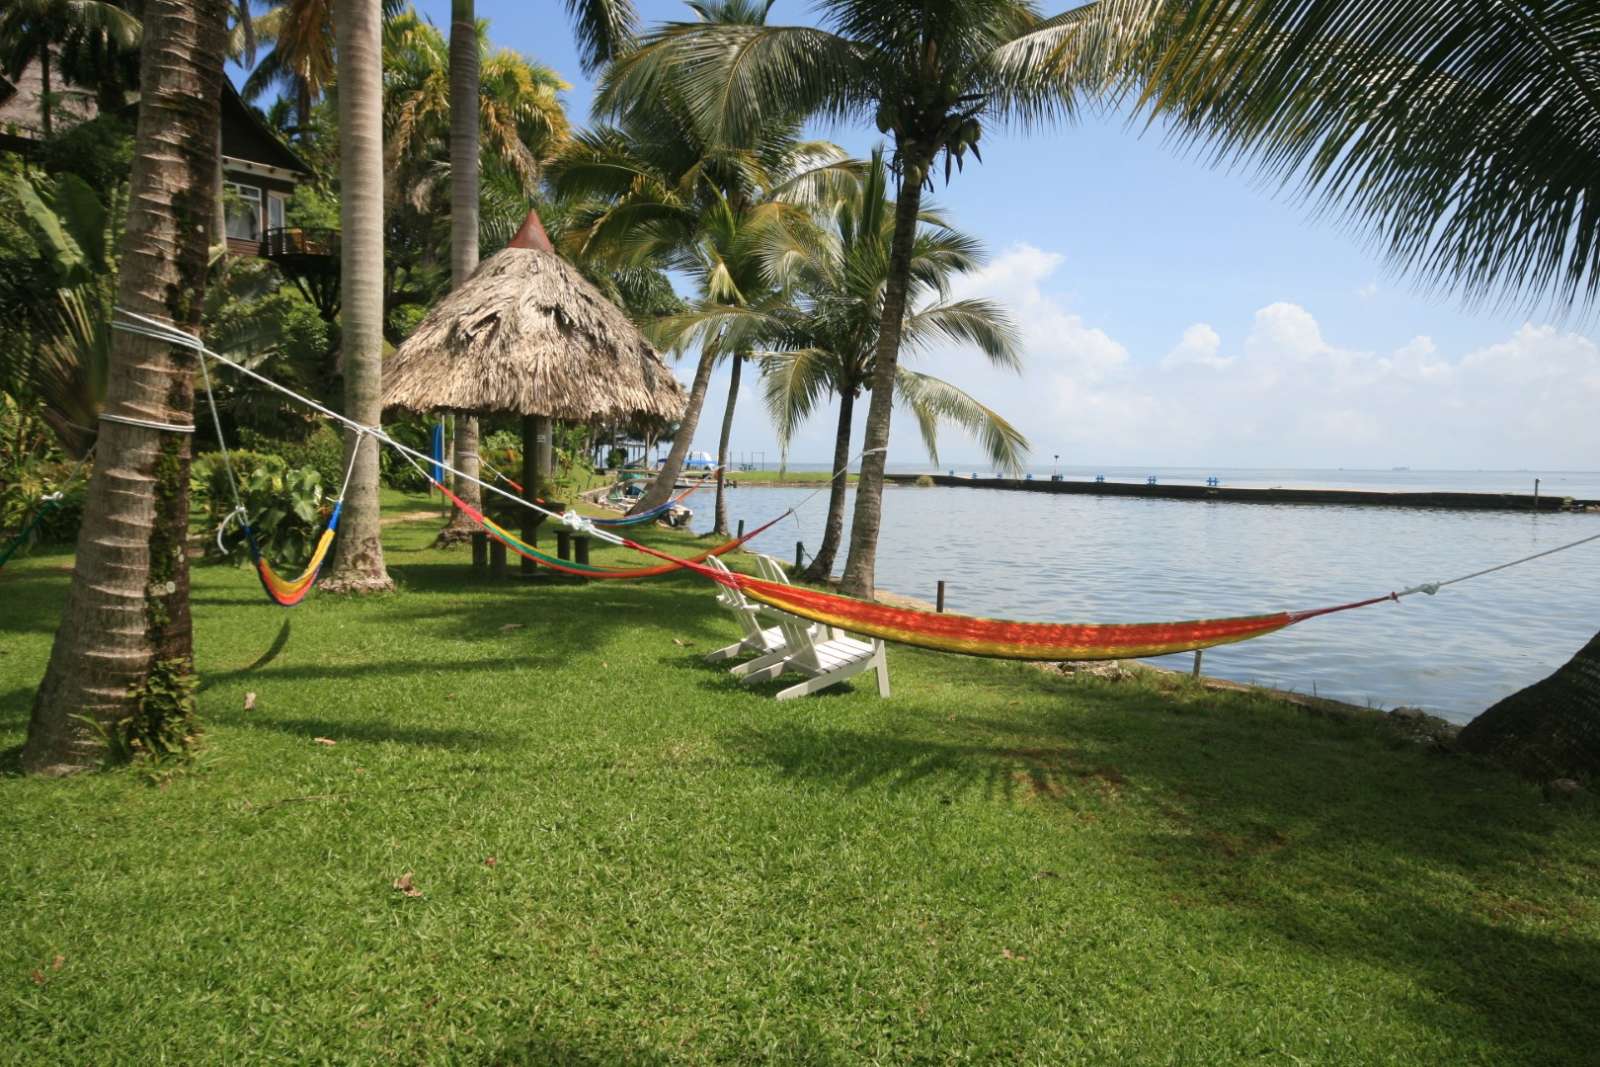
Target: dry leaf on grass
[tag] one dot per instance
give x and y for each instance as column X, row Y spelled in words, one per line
column 56, row 964
column 38, row 977
column 403, row 884
column 325, row 741
column 489, row 862
column 1008, row 954
column 249, row 702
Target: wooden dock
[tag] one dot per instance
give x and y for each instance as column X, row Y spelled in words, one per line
column 1274, row 495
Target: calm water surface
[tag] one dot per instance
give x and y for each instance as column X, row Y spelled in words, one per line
column 1089, row 559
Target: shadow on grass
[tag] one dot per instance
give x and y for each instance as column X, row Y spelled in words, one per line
column 15, row 707
column 357, row 730
column 598, row 1051
column 32, row 599
column 1308, row 832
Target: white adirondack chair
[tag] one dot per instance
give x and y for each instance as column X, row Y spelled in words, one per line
column 825, row 655
column 753, row 638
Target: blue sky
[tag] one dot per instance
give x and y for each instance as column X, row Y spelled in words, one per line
column 1179, row 314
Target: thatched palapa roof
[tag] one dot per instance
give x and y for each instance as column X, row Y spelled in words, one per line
column 528, row 335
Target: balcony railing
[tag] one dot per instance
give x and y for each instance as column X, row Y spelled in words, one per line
column 294, row 241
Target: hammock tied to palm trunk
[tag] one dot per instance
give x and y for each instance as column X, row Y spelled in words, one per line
column 997, row 638
column 648, row 515
column 585, row 570
column 285, row 592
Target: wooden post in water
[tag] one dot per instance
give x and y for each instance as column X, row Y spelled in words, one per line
column 1195, row 673
column 938, row 604
column 799, row 554
column 741, row 529
column 1536, row 494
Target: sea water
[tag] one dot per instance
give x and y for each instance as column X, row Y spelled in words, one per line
column 1051, row 558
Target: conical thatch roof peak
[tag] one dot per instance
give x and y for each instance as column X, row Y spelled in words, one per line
column 528, row 335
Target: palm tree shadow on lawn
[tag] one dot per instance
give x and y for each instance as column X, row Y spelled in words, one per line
column 1246, row 802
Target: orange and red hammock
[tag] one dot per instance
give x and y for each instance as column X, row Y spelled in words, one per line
column 585, row 570
column 1004, row 639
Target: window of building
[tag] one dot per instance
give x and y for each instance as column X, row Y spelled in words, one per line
column 275, row 206
column 242, row 209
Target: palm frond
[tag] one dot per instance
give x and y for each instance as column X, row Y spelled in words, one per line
column 983, row 324
column 1462, row 140
column 604, row 29
column 933, row 401
column 794, row 384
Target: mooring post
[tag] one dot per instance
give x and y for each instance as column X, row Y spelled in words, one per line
column 799, row 554
column 938, row 604
column 480, row 550
column 1536, row 494
column 1195, row 673
column 741, row 529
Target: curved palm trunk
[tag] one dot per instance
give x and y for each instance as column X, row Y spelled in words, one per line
column 721, row 527
column 123, row 659
column 463, row 233
column 44, row 90
column 859, row 567
column 820, row 569
column 1550, row 729
column 661, row 488
column 358, row 566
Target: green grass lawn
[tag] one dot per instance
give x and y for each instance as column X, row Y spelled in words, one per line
column 625, row 857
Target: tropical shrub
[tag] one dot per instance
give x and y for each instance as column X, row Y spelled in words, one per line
column 322, row 451
column 286, row 504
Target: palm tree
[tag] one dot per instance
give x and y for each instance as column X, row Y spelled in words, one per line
column 465, row 52
column 300, row 62
column 30, row 30
column 121, row 668
column 829, row 338
column 740, row 305
column 359, row 565
column 1462, row 139
column 522, row 122
column 677, row 191
column 929, row 73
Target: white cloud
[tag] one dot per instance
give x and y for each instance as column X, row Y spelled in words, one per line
column 1368, row 291
column 1200, row 346
column 1288, row 394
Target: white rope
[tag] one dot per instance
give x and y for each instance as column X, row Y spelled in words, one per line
column 160, row 331
column 154, row 328
column 147, row 424
column 1431, row 588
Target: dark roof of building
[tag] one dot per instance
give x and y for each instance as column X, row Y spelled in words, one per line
column 246, row 135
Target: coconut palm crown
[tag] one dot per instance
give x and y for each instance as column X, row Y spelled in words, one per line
column 929, row 74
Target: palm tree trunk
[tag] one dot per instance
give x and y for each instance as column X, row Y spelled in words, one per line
column 358, row 565
column 44, row 89
column 859, row 567
column 123, row 663
column 463, row 233
column 1550, row 729
column 820, row 569
column 721, row 527
column 661, row 488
